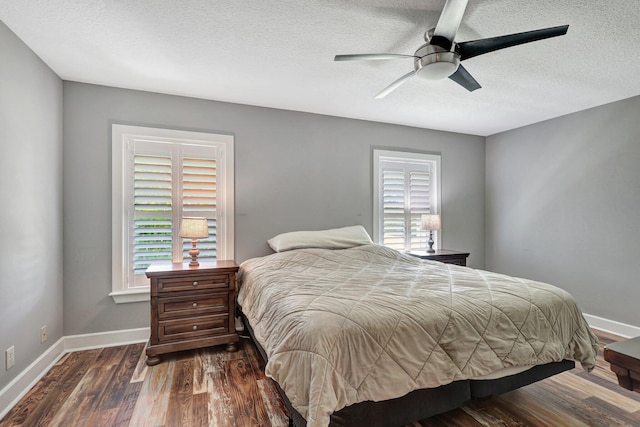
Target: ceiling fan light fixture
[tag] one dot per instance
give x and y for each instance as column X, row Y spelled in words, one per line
column 437, row 70
column 437, row 63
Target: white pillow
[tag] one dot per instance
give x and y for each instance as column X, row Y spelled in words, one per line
column 337, row 238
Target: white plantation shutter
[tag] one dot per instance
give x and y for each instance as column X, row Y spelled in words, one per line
column 159, row 177
column 199, row 199
column 152, row 225
column 406, row 188
column 419, row 204
column 393, row 207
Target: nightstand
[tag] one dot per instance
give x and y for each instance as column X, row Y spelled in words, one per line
column 191, row 307
column 443, row 255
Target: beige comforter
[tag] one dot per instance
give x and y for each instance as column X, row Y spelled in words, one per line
column 368, row 323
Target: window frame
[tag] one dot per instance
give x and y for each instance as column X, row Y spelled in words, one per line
column 121, row 138
column 404, row 157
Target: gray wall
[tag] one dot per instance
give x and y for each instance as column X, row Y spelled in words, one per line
column 31, row 195
column 563, row 206
column 293, row 171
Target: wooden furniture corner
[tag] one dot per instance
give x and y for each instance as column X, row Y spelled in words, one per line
column 191, row 307
column 624, row 357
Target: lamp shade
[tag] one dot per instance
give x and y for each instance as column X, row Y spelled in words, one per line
column 194, row 227
column 430, row 222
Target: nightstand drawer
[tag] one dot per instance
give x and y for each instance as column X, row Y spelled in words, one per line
column 193, row 305
column 196, row 327
column 454, row 261
column 193, row 283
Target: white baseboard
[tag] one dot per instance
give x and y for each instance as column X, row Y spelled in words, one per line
column 11, row 394
column 611, row 326
column 16, row 389
column 105, row 339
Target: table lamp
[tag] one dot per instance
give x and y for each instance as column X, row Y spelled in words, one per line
column 194, row 228
column 430, row 223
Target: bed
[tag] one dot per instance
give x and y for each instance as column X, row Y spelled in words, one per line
column 364, row 335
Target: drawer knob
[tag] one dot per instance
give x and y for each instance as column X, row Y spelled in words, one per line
column 195, row 304
column 195, row 327
column 195, row 283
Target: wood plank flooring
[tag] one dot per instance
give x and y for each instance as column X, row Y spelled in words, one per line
column 210, row 387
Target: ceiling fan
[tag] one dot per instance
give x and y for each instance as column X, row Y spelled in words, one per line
column 440, row 56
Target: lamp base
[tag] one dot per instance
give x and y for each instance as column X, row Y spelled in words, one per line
column 194, row 252
column 431, row 250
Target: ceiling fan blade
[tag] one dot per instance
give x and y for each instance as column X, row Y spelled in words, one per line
column 395, row 85
column 371, row 57
column 478, row 47
column 464, row 79
column 448, row 23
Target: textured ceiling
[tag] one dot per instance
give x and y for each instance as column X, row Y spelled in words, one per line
column 280, row 54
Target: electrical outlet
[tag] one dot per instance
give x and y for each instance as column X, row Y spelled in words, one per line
column 43, row 334
column 10, row 357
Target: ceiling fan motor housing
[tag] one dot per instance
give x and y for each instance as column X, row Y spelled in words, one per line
column 435, row 63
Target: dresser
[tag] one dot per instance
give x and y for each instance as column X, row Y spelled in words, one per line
column 191, row 307
column 443, row 255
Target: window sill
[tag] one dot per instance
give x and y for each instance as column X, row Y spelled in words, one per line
column 137, row 295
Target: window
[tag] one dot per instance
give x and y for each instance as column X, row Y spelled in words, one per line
column 406, row 185
column 159, row 176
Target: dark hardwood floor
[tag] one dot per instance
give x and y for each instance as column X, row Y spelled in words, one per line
column 210, row 387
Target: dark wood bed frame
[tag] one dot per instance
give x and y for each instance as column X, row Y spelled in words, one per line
column 423, row 403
